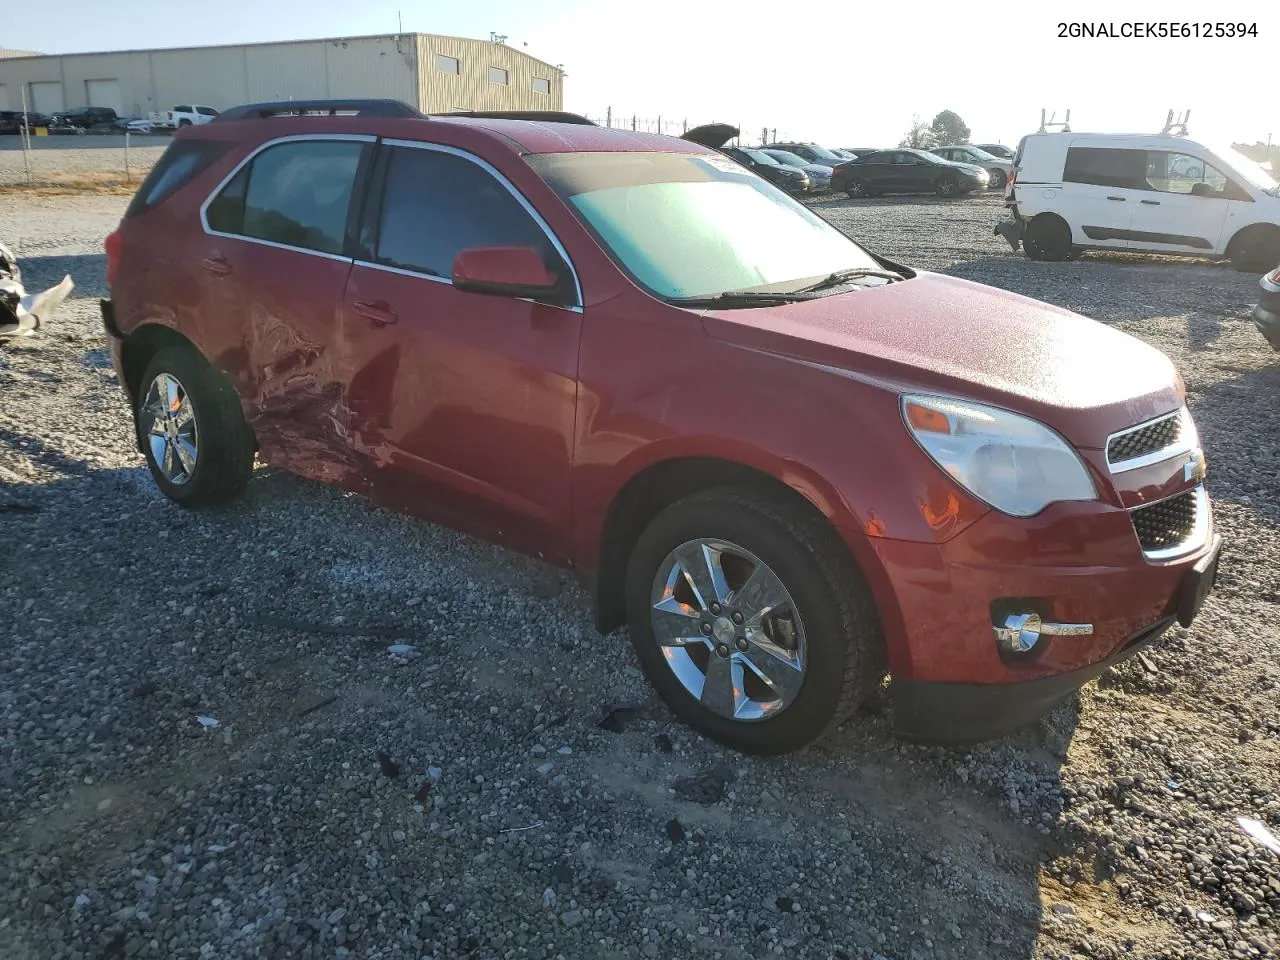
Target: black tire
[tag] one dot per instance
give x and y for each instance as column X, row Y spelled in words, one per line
column 184, row 123
column 845, row 646
column 857, row 189
column 947, row 186
column 1047, row 237
column 225, row 443
column 1255, row 249
column 998, row 179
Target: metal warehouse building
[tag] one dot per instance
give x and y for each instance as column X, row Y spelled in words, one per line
column 429, row 72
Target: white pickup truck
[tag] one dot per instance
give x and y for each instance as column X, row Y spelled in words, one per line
column 186, row 115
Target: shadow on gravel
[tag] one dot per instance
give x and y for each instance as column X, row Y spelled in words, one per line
column 88, row 270
column 1226, row 413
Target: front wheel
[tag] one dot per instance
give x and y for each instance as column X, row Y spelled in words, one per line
column 1047, row 237
column 751, row 621
column 857, row 189
column 1255, row 249
column 947, row 186
column 192, row 430
column 996, row 178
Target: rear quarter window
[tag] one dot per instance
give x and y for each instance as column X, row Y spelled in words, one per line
column 179, row 165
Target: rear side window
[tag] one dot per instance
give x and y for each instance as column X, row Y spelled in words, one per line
column 437, row 204
column 181, row 163
column 1107, row 167
column 206, row 111
column 296, row 194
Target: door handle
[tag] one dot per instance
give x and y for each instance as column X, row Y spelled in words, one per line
column 379, row 312
column 1150, row 203
column 1121, row 199
column 216, row 265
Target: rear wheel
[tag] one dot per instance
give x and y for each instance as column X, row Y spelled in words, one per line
column 749, row 621
column 184, row 123
column 1255, row 249
column 1047, row 237
column 857, row 189
column 996, row 178
column 192, row 430
column 947, row 186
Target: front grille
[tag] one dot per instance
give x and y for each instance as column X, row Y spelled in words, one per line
column 1169, row 523
column 1146, row 439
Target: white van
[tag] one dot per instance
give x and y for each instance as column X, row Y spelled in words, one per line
column 1156, row 193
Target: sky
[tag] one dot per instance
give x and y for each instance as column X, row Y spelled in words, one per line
column 841, row 74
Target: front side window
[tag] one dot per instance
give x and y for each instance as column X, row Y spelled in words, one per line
column 1107, row 167
column 437, row 204
column 447, row 64
column 688, row 225
column 1182, row 173
column 295, row 193
column 541, row 85
column 206, row 111
column 498, row 75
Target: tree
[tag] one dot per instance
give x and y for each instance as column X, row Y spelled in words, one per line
column 920, row 136
column 948, row 128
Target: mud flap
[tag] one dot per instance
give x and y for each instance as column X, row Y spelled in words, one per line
column 1011, row 230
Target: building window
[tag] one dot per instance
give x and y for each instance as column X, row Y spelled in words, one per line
column 541, row 85
column 498, row 75
column 446, row 64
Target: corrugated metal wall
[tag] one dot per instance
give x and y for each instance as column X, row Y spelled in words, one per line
column 471, row 89
column 401, row 67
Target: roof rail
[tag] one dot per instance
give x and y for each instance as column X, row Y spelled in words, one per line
column 547, row 116
column 1176, row 126
column 1049, row 120
column 359, row 108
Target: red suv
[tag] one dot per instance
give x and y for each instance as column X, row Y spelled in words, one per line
column 789, row 465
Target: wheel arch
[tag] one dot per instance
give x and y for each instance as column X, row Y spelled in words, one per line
column 663, row 482
column 1258, row 227
column 143, row 343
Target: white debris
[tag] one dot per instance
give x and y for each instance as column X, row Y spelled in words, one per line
column 404, row 650
column 1259, row 831
column 207, row 722
column 22, row 313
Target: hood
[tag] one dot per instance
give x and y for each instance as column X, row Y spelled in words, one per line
column 713, row 135
column 818, row 169
column 943, row 334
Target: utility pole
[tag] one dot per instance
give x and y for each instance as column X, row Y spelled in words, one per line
column 608, row 116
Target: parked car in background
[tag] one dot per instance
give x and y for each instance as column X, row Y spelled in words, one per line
column 998, row 171
column 819, row 173
column 1156, row 193
column 184, row 115
column 12, row 121
column 996, row 150
column 716, row 135
column 856, row 152
column 628, row 357
column 1266, row 315
column 908, row 171
column 789, row 178
column 83, row 120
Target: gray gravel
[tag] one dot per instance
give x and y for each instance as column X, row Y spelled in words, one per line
column 515, row 825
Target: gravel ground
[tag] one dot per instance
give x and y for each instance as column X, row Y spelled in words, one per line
column 463, row 799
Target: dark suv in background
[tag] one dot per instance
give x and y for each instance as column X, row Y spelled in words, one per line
column 84, row 120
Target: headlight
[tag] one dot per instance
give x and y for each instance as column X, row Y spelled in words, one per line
column 1016, row 464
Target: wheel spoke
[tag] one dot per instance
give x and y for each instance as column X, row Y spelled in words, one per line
column 776, row 667
column 700, row 563
column 722, row 691
column 172, row 396
column 762, row 593
column 186, row 451
column 676, row 624
column 166, row 464
column 158, row 442
column 183, row 415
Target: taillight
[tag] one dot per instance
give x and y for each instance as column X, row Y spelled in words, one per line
column 113, row 244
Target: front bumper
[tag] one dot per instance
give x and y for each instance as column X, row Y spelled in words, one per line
column 957, row 713
column 1268, row 324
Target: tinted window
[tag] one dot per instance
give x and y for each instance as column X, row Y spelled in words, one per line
column 294, row 193
column 881, row 157
column 181, row 109
column 1106, row 167
column 180, row 164
column 437, row 204
column 1181, row 173
column 206, row 111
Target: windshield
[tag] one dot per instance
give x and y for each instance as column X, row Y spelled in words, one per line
column 788, row 158
column 1250, row 170
column 981, row 154
column 759, row 156
column 692, row 225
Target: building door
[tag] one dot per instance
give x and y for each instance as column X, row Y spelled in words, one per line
column 46, row 97
column 4, row 97
column 104, row 93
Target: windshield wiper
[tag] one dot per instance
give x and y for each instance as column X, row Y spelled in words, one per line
column 747, row 298
column 844, row 276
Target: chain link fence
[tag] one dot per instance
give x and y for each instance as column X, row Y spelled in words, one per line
column 100, row 163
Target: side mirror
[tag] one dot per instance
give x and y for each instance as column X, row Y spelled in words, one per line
column 506, row 272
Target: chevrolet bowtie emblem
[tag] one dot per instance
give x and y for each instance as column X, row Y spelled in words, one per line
column 1194, row 469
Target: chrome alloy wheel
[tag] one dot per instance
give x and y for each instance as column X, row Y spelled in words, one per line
column 728, row 629
column 170, row 425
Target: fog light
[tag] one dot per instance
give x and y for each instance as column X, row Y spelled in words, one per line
column 1020, row 632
